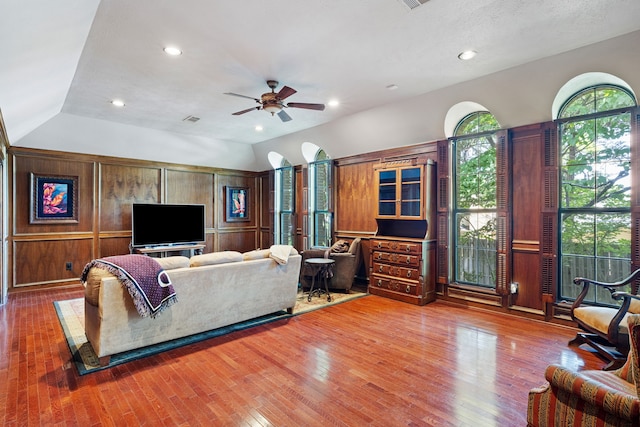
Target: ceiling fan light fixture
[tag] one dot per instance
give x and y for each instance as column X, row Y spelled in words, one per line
column 272, row 108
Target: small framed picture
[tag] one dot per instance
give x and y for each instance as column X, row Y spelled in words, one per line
column 237, row 204
column 54, row 199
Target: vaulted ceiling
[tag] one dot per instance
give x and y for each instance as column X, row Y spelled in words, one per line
column 64, row 61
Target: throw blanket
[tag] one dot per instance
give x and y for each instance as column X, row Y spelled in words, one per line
column 147, row 283
column 280, row 253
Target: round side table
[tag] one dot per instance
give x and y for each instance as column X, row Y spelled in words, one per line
column 321, row 267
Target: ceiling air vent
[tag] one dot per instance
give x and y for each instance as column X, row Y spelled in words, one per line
column 412, row 4
column 191, row 119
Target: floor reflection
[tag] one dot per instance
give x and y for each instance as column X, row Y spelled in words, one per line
column 475, row 375
column 322, row 364
column 569, row 359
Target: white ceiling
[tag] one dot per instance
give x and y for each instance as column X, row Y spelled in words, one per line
column 69, row 58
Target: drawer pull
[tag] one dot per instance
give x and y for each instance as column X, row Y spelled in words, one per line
column 379, row 244
column 408, row 248
column 379, row 255
column 380, row 268
column 379, row 282
column 409, row 273
column 408, row 260
column 408, row 289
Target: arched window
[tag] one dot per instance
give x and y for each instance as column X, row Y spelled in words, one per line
column 594, row 131
column 320, row 185
column 474, row 199
column 284, row 199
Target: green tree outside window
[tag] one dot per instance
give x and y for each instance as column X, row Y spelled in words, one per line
column 595, row 189
column 474, row 210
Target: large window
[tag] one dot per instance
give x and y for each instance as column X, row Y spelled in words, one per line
column 285, row 205
column 320, row 200
column 474, row 201
column 284, row 199
column 595, row 189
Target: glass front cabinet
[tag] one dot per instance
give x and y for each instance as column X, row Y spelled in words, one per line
column 400, row 192
column 403, row 251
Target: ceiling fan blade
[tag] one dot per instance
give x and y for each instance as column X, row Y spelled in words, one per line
column 286, row 92
column 284, row 116
column 319, row 107
column 245, row 111
column 242, row 96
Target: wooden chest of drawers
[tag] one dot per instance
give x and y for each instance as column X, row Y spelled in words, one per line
column 403, row 269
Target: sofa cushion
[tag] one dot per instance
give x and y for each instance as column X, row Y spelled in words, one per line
column 173, row 262
column 634, row 306
column 215, row 258
column 92, row 285
column 256, row 254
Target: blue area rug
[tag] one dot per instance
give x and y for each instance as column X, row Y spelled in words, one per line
column 71, row 316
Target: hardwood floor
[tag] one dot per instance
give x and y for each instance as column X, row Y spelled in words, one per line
column 371, row 361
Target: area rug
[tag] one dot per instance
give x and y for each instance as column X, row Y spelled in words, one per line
column 71, row 316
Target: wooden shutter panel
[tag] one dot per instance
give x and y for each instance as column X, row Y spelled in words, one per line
column 305, row 207
column 503, row 270
column 443, row 212
column 549, row 232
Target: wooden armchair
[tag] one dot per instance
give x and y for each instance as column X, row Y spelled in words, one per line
column 592, row 397
column 606, row 327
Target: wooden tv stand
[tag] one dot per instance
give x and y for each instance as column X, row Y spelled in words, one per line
column 165, row 250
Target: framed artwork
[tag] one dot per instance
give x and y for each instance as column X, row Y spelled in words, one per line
column 237, row 204
column 54, row 199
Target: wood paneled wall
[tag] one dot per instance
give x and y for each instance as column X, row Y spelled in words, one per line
column 522, row 196
column 107, row 188
column 526, row 217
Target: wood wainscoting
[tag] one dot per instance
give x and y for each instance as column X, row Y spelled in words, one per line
column 54, row 254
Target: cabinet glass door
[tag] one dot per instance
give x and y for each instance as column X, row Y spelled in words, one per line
column 410, row 181
column 387, row 185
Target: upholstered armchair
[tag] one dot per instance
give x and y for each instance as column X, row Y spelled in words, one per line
column 345, row 267
column 606, row 327
column 592, row 397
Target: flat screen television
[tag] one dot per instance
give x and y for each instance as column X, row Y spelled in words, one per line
column 166, row 224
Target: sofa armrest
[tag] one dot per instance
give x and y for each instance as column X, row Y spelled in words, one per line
column 594, row 392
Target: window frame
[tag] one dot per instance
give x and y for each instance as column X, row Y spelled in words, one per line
column 456, row 210
column 564, row 289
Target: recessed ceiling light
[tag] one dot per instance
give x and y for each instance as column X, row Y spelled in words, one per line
column 392, row 87
column 173, row 51
column 333, row 103
column 467, row 54
column 259, row 128
column 118, row 103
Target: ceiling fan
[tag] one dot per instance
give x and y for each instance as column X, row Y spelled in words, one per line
column 272, row 102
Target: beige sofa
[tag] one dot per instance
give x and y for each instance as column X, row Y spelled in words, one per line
column 213, row 290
